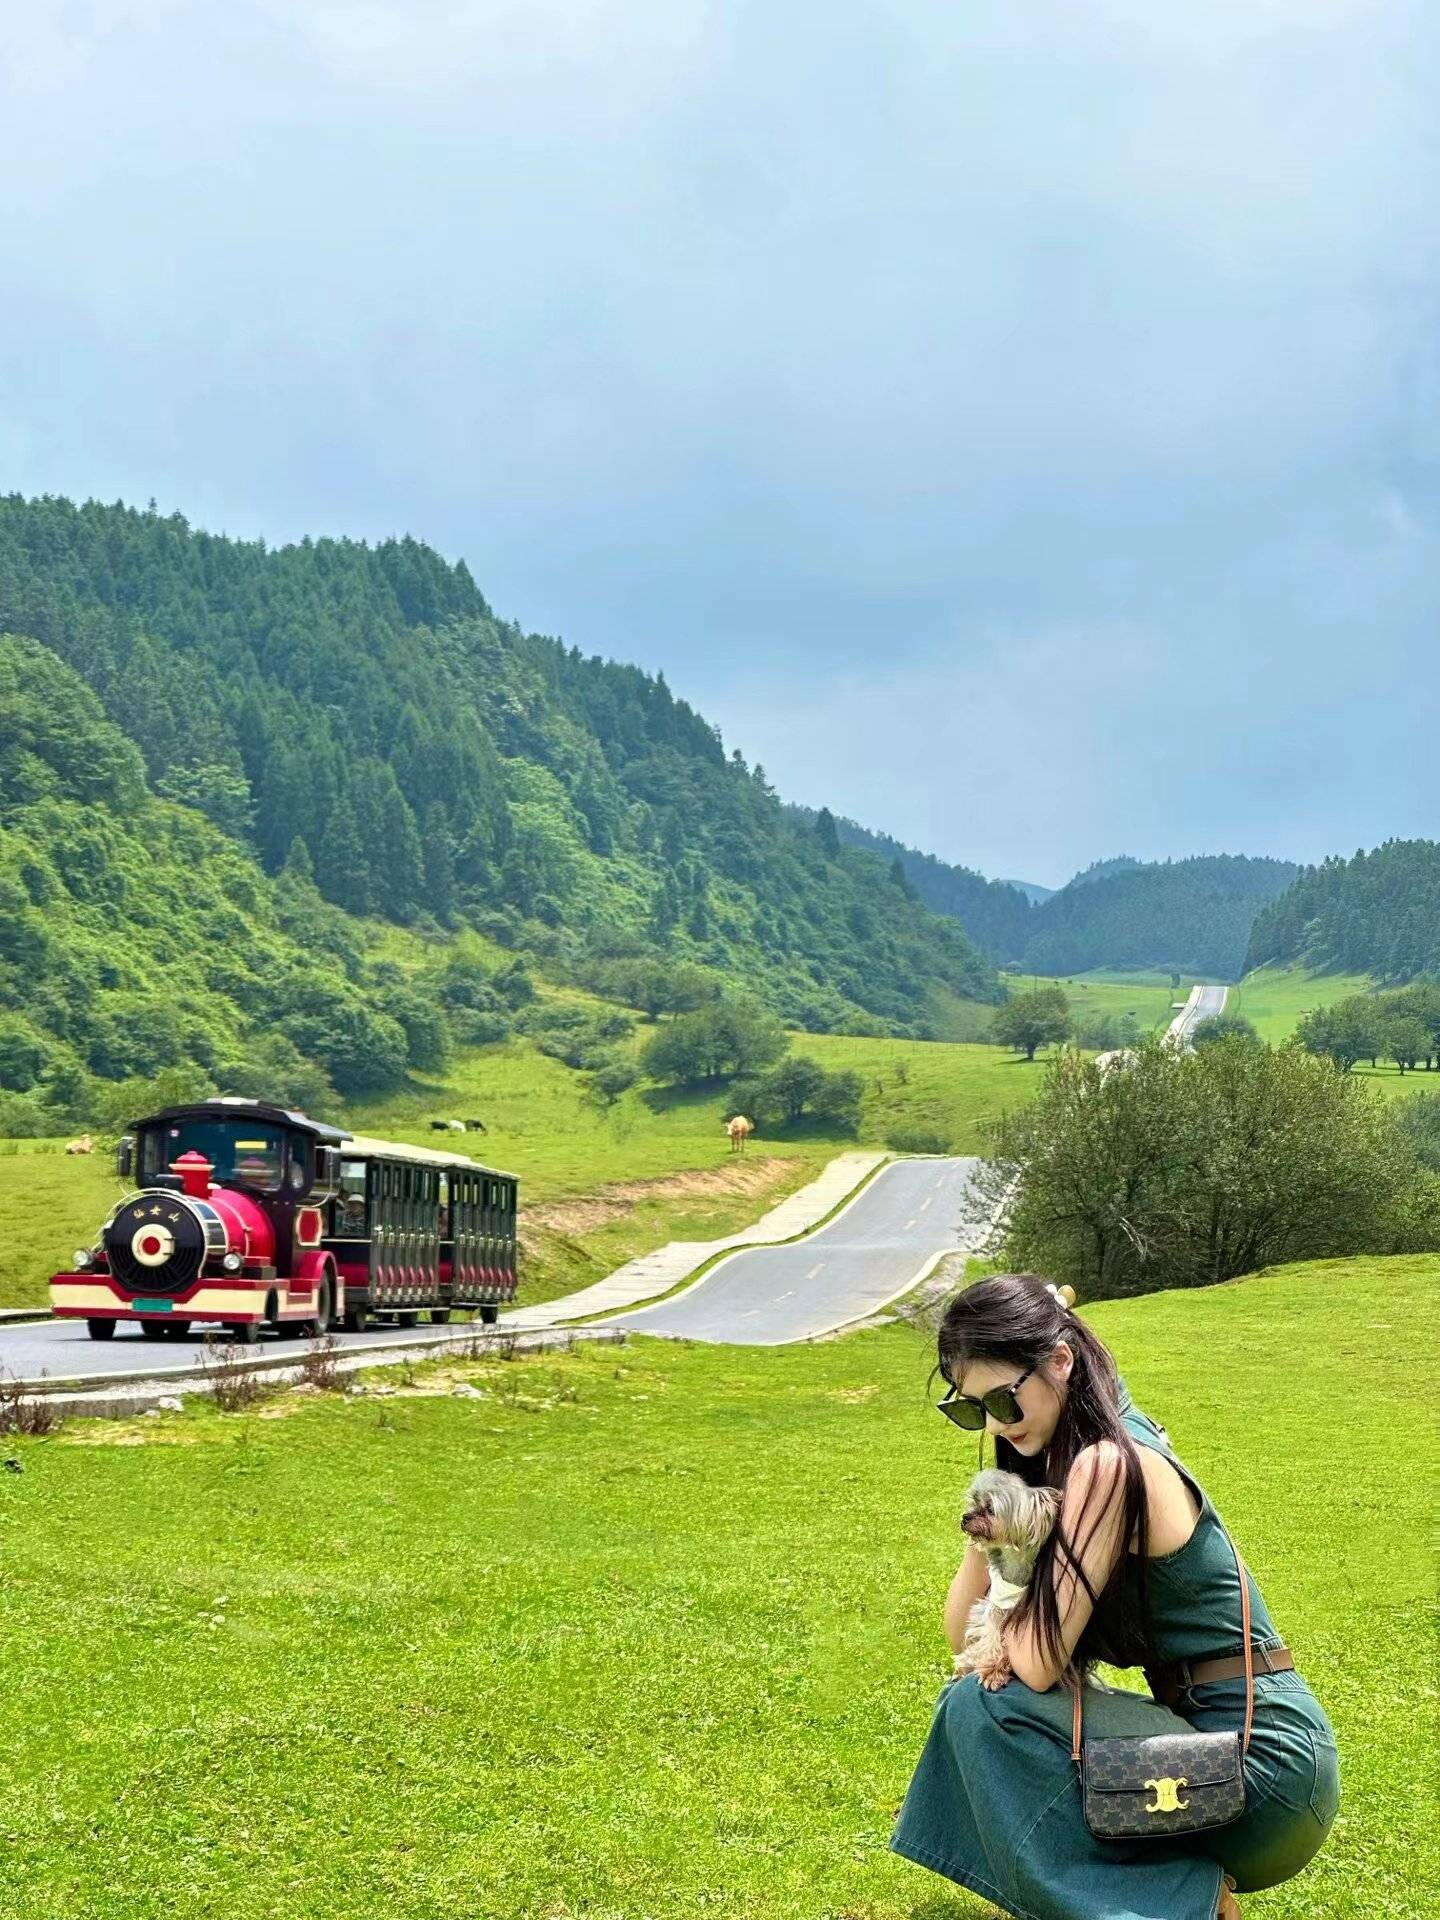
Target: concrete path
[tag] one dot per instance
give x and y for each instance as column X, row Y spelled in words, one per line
column 667, row 1266
column 880, row 1246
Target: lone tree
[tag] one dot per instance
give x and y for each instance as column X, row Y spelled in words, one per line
column 1032, row 1020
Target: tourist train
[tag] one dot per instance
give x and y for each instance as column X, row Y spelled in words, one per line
column 254, row 1216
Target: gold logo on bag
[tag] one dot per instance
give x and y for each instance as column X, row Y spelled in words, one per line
column 1166, row 1789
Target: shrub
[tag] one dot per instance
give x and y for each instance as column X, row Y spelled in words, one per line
column 474, row 1027
column 1224, row 1026
column 907, row 1139
column 233, row 1385
column 714, row 1043
column 22, row 1118
column 1106, row 1032
column 1187, row 1169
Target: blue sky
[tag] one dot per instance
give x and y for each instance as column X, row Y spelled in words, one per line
column 1016, row 424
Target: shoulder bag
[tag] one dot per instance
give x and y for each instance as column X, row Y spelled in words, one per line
column 1155, row 1785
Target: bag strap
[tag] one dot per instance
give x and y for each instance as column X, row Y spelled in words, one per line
column 1249, row 1662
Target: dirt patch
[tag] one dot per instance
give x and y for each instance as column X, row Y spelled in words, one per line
column 584, row 1214
column 852, row 1394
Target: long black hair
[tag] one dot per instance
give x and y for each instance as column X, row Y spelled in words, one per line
column 1012, row 1319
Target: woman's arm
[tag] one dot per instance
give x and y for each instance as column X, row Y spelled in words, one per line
column 971, row 1581
column 1100, row 1468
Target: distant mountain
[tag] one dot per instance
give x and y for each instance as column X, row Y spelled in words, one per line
column 1378, row 913
column 1193, row 916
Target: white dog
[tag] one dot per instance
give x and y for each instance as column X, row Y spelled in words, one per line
column 1011, row 1522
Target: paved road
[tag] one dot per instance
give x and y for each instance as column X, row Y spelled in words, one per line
column 1204, row 1003
column 63, row 1350
column 871, row 1251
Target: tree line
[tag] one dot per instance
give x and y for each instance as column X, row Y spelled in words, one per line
column 1375, row 913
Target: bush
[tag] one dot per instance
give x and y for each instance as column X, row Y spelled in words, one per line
column 1224, row 1026
column 919, row 1140
column 799, row 1089
column 475, row 1028
column 1187, row 1169
column 1107, row 1032
column 615, row 1077
column 273, row 1068
column 24, row 1056
column 714, row 1043
column 1419, row 1121
column 23, row 1118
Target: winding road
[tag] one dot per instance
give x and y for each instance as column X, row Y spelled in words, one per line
column 876, row 1247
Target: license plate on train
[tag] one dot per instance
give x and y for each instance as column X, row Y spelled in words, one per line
column 154, row 1306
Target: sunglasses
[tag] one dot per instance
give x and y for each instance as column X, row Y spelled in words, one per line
column 999, row 1401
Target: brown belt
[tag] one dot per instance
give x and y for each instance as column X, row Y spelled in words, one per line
column 1169, row 1683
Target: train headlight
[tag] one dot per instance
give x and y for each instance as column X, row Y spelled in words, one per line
column 232, row 1263
column 82, row 1259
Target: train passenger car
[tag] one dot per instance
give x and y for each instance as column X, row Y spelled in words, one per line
column 412, row 1228
column 255, row 1215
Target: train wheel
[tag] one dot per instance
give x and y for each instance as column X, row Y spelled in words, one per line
column 408, row 1317
column 490, row 1313
column 439, row 1316
column 324, row 1312
column 152, row 1330
column 245, row 1333
column 100, row 1329
column 357, row 1319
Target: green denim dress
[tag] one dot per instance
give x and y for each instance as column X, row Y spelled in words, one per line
column 994, row 1802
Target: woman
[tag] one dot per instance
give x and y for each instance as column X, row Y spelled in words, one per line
column 995, row 1799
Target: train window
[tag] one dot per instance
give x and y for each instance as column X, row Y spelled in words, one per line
column 241, row 1152
column 351, row 1214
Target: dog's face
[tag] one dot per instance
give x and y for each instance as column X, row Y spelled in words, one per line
column 1001, row 1511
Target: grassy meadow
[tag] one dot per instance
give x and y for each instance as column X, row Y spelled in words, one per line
column 1276, row 999
column 649, row 1630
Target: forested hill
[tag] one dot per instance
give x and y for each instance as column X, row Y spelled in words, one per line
column 1193, row 915
column 360, row 712
column 1378, row 913
column 995, row 913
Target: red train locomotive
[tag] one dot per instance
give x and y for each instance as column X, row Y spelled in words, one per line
column 255, row 1216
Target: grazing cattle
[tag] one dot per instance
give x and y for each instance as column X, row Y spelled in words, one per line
column 476, row 1126
column 447, row 1126
column 739, row 1129
column 83, row 1145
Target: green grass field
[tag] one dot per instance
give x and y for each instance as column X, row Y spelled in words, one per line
column 650, row 1630
column 1147, row 995
column 1275, row 999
